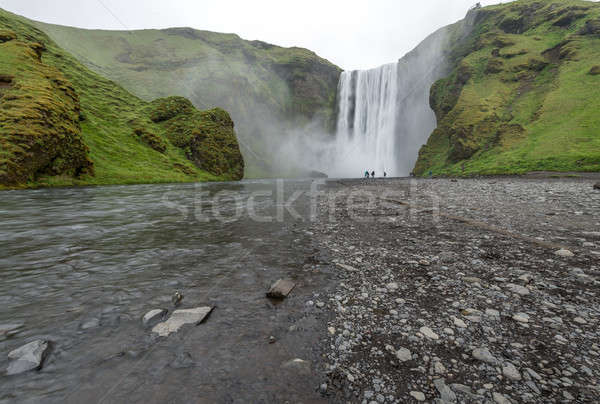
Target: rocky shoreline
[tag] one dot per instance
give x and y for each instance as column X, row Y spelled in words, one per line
column 482, row 290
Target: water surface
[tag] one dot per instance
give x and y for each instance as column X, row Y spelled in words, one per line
column 80, row 267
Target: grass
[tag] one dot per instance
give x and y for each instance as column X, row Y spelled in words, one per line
column 97, row 114
column 536, row 110
column 267, row 89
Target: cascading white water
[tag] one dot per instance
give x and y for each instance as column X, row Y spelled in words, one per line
column 366, row 128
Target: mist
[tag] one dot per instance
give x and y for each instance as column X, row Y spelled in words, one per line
column 383, row 118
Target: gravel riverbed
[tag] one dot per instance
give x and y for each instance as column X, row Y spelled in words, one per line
column 455, row 291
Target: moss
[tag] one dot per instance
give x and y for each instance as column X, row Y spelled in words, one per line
column 39, row 118
column 494, row 66
column 535, row 111
column 207, row 137
column 62, row 124
column 7, row 35
column 153, row 141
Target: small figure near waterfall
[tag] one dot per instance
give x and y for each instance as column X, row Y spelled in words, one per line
column 384, row 174
column 373, row 174
column 366, row 174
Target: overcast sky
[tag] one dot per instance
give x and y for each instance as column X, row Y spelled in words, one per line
column 352, row 34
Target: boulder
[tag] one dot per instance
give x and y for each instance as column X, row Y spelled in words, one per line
column 179, row 318
column 597, row 185
column 153, row 316
column 28, row 357
column 281, row 289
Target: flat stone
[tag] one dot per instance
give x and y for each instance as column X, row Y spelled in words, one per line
column 500, row 399
column 518, row 289
column 428, row 332
column 511, row 372
column 521, row 317
column 179, row 318
column 403, row 355
column 8, row 330
column 564, row 253
column 471, row 279
column 391, row 286
column 492, row 313
column 446, row 392
column 417, row 395
column 439, row 368
column 28, row 357
column 281, row 289
column 484, row 355
column 459, row 323
column 153, row 316
column 347, row 267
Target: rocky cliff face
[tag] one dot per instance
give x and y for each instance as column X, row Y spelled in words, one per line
column 62, row 124
column 268, row 90
column 520, row 94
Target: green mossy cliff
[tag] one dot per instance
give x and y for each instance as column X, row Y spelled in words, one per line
column 62, row 124
column 267, row 89
column 522, row 95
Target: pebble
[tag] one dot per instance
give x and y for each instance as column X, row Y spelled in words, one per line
column 510, row 371
column 521, row 317
column 483, row 354
column 428, row 332
column 403, row 355
column 564, row 253
column 417, row 395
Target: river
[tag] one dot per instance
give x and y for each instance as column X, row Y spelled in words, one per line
column 81, row 266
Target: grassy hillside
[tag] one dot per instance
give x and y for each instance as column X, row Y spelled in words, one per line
column 267, row 89
column 523, row 93
column 62, row 124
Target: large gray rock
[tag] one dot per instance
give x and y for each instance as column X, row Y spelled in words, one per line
column 28, row 357
column 281, row 289
column 179, row 318
column 153, row 316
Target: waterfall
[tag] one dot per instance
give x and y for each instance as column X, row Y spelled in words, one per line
column 384, row 115
column 383, row 119
column 368, row 106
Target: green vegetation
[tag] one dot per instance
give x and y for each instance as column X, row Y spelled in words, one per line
column 267, row 89
column 62, row 124
column 522, row 95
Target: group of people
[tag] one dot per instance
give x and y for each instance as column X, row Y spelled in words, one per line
column 372, row 174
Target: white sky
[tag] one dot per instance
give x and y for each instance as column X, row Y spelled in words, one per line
column 352, row 34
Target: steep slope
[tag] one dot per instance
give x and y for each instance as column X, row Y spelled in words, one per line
column 267, row 89
column 63, row 124
column 522, row 95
